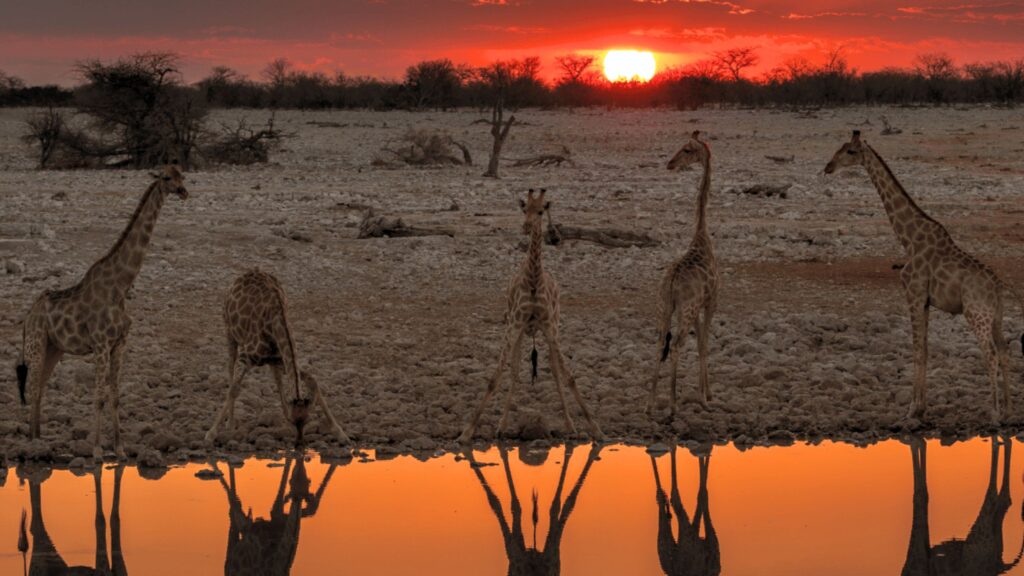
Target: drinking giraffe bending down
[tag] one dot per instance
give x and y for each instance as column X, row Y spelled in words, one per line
column 255, row 315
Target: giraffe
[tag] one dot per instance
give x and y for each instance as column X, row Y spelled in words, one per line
column 938, row 274
column 268, row 546
column 255, row 315
column 532, row 307
column 45, row 558
column 525, row 560
column 981, row 553
column 689, row 289
column 91, row 317
column 686, row 553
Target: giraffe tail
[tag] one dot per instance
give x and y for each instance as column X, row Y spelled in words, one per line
column 533, row 364
column 22, row 370
column 668, row 345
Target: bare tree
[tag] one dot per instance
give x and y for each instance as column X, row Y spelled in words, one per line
column 45, row 129
column 574, row 67
column 939, row 73
column 8, row 82
column 277, row 72
column 735, row 60
column 1009, row 78
column 936, row 66
column 506, row 84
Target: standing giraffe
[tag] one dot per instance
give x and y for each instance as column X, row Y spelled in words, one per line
column 532, row 307
column 255, row 315
column 686, row 552
column 938, row 273
column 689, row 289
column 91, row 317
column 46, row 559
column 981, row 552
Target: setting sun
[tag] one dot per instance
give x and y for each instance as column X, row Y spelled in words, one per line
column 629, row 65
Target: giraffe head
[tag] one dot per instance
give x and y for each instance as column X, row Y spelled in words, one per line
column 170, row 181
column 694, row 151
column 534, row 207
column 850, row 154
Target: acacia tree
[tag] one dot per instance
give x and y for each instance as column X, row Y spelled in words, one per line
column 574, row 67
column 735, row 60
column 577, row 78
column 140, row 106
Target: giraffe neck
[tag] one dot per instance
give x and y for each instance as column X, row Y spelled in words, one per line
column 905, row 216
column 118, row 269
column 533, row 267
column 701, row 231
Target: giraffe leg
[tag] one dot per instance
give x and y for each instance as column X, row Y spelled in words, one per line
column 1001, row 355
column 511, row 334
column 237, row 371
column 34, row 355
column 559, row 375
column 114, row 385
column 919, row 323
column 703, row 333
column 665, row 308
column 980, row 322
column 687, row 318
column 514, row 362
column 43, row 369
column 278, row 371
column 559, row 359
column 314, row 391
column 102, row 360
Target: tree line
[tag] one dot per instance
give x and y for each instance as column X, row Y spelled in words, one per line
column 720, row 79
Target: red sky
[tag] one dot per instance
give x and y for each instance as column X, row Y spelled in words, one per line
column 40, row 40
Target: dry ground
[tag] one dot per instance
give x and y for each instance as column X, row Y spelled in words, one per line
column 811, row 340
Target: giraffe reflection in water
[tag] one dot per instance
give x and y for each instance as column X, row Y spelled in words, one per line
column 267, row 546
column 46, row 560
column 687, row 553
column 981, row 553
column 524, row 560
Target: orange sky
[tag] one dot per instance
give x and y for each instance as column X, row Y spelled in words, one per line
column 829, row 509
column 42, row 39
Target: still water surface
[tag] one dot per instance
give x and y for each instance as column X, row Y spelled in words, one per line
column 892, row 508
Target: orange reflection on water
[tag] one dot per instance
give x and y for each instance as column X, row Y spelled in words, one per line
column 826, row 509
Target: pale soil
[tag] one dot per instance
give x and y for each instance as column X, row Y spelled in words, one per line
column 811, row 340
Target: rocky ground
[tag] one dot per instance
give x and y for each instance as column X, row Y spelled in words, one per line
column 812, row 338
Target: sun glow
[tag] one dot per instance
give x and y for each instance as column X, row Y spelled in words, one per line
column 629, row 65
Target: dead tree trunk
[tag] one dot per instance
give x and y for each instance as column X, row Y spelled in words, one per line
column 499, row 132
column 376, row 226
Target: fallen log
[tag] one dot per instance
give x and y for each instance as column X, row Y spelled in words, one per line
column 556, row 233
column 545, row 159
column 764, row 190
column 375, row 226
